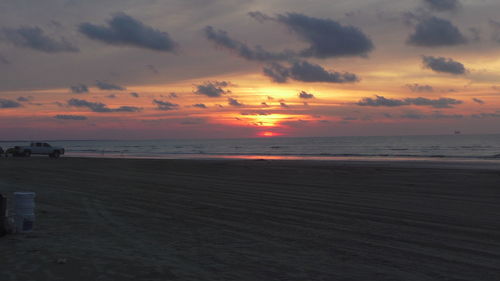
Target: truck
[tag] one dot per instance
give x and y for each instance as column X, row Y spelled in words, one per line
column 39, row 148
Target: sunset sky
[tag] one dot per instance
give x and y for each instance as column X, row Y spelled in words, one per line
column 147, row 69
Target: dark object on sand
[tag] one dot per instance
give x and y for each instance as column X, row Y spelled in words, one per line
column 3, row 215
column 1, row 151
column 13, row 152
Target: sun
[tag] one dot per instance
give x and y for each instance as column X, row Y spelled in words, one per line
column 268, row 134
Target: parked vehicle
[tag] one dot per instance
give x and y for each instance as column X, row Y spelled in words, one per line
column 39, row 148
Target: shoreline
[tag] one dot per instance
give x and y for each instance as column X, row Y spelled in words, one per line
column 447, row 163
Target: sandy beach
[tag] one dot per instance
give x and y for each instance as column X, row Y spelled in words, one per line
column 119, row 219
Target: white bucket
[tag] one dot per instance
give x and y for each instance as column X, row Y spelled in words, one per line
column 24, row 200
column 24, row 211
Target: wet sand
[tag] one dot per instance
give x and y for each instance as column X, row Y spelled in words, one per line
column 117, row 219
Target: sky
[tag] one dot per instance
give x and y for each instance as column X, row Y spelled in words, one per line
column 155, row 69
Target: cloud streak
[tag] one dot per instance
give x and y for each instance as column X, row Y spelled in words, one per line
column 35, row 38
column 79, row 89
column 101, row 107
column 5, row 103
column 102, row 85
column 70, row 117
column 257, row 53
column 417, row 88
column 165, row 105
column 443, row 5
column 381, row 101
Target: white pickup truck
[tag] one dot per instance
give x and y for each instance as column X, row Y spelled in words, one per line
column 41, row 148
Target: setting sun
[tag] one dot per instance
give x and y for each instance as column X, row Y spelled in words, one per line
column 268, row 134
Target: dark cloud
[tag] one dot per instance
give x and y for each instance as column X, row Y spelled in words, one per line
column 486, row 115
column 24, row 99
column 165, row 105
column 233, row 102
column 212, row 89
column 277, row 72
column 382, row 101
column 134, row 94
column 111, row 96
column 4, row 103
column 443, row 5
column 476, row 100
column 35, row 38
column 79, row 89
column 124, row 30
column 327, row 38
column 173, row 95
column 284, row 105
column 222, row 39
column 306, row 72
column 102, row 85
column 70, row 117
column 417, row 88
column 436, row 103
column 101, row 107
column 445, row 65
column 200, row 105
column 436, row 32
column 305, row 95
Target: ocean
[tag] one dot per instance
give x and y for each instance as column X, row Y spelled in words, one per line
column 458, row 147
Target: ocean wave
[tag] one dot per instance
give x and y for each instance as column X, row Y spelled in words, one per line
column 242, row 154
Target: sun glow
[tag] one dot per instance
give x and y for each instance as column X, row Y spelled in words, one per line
column 269, row 120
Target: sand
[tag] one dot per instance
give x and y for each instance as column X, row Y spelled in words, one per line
column 118, row 219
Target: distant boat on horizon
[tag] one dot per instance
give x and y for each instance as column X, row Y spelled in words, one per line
column 457, row 132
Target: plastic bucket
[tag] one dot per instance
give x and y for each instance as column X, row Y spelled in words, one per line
column 24, row 211
column 24, row 200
